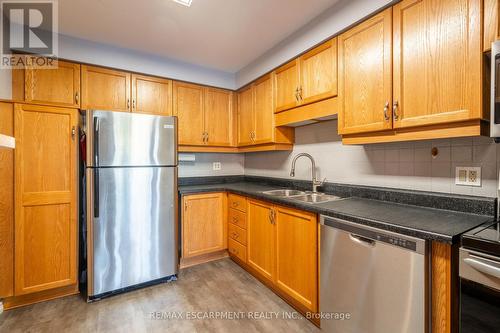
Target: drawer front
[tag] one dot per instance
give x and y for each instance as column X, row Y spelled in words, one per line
column 238, row 202
column 237, row 250
column 238, row 218
column 237, row 233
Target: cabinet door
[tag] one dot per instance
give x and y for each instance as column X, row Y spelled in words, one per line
column 246, row 116
column 45, row 198
column 437, row 61
column 6, row 204
column 491, row 23
column 286, row 85
column 151, row 95
column 264, row 110
column 260, row 239
column 318, row 73
column 59, row 86
column 297, row 256
column 203, row 224
column 188, row 107
column 365, row 76
column 218, row 117
column 105, row 89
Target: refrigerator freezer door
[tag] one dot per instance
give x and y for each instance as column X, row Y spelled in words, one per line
column 128, row 139
column 134, row 226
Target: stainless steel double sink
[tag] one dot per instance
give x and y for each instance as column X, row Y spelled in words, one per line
column 309, row 197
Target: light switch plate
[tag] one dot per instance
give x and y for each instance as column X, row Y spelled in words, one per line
column 216, row 166
column 468, row 176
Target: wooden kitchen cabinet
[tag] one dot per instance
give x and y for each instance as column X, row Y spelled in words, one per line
column 318, row 73
column 297, row 255
column 287, row 83
column 256, row 122
column 59, row 86
column 204, row 224
column 188, row 107
column 308, row 79
column 365, row 76
column 264, row 110
column 6, row 204
column 246, row 116
column 151, row 95
column 205, row 115
column 218, row 113
column 105, row 89
column 437, row 62
column 261, row 255
column 46, row 192
column 491, row 23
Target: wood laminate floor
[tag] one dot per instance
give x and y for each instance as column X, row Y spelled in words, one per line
column 213, row 287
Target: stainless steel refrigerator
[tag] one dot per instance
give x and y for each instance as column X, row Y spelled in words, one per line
column 131, row 191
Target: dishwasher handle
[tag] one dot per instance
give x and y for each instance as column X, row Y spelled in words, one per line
column 362, row 240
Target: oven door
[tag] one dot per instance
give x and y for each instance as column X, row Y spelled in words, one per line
column 479, row 292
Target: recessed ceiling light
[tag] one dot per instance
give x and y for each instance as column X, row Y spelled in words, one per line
column 186, row 3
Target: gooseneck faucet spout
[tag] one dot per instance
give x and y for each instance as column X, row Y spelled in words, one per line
column 315, row 182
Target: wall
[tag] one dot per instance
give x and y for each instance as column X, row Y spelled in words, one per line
column 335, row 19
column 232, row 164
column 400, row 165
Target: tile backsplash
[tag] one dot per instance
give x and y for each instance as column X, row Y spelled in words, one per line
column 407, row 165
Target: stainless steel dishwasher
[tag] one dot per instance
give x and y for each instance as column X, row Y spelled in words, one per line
column 372, row 280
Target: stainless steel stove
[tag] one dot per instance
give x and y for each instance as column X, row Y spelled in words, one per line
column 480, row 280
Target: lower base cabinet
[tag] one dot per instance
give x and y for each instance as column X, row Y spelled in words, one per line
column 282, row 251
column 204, row 224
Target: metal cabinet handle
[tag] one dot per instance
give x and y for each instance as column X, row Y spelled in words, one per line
column 73, row 133
column 235, row 203
column 235, row 220
column 386, row 111
column 77, row 98
column 133, row 104
column 128, row 103
column 297, row 94
column 300, row 94
column 395, row 106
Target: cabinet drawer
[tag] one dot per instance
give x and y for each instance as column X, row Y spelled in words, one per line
column 238, row 218
column 237, row 250
column 238, row 202
column 237, row 233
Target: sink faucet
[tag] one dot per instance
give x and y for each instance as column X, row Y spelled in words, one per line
column 315, row 182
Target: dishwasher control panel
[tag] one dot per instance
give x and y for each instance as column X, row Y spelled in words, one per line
column 401, row 242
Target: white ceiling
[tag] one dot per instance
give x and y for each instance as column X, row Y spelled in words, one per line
column 220, row 34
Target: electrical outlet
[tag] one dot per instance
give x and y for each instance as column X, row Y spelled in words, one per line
column 468, row 176
column 216, row 166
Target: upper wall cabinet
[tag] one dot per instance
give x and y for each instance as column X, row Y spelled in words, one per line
column 365, row 77
column 491, row 23
column 188, row 107
column 218, row 117
column 59, row 86
column 436, row 81
column 105, row 89
column 246, row 116
column 256, row 123
column 310, row 78
column 205, row 115
column 437, row 62
column 318, row 73
column 151, row 95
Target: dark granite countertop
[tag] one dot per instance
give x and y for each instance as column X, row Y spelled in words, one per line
column 421, row 222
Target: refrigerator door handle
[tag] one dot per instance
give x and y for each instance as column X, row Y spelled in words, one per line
column 96, row 192
column 96, row 141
